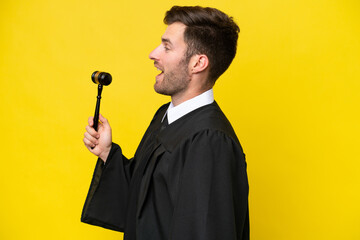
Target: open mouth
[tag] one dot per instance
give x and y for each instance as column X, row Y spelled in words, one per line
column 161, row 73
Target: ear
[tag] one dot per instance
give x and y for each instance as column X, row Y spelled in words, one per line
column 199, row 63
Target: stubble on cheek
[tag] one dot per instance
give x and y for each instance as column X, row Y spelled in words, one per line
column 173, row 81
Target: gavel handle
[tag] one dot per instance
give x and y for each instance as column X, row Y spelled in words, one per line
column 97, row 109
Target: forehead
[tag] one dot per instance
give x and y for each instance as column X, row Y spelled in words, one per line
column 175, row 33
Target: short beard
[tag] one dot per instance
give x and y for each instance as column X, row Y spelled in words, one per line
column 174, row 82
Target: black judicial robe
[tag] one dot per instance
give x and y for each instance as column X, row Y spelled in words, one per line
column 187, row 181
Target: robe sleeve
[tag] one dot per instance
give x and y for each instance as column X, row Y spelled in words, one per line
column 213, row 194
column 106, row 202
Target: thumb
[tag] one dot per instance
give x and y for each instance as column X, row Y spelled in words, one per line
column 103, row 120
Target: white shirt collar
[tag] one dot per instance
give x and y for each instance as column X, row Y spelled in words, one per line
column 174, row 113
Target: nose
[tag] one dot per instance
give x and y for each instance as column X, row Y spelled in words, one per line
column 154, row 55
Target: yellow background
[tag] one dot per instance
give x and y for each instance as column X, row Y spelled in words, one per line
column 292, row 95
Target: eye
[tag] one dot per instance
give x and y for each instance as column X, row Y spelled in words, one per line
column 166, row 48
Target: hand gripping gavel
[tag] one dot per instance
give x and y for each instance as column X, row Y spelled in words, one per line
column 102, row 79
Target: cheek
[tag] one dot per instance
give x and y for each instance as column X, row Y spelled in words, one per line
column 173, row 62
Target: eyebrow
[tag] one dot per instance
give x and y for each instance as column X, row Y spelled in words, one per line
column 166, row 40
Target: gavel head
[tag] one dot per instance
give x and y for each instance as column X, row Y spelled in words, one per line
column 102, row 78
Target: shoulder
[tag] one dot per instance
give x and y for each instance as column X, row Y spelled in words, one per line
column 212, row 121
column 209, row 122
column 211, row 148
column 215, row 140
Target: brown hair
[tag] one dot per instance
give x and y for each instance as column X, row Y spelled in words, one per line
column 209, row 31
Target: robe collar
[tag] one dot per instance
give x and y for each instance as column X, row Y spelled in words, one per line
column 174, row 113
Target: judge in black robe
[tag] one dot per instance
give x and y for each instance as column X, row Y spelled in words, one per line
column 187, row 181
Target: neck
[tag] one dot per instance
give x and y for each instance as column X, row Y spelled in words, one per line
column 198, row 84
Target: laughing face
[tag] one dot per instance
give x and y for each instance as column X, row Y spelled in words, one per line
column 169, row 58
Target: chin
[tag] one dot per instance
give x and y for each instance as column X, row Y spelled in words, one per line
column 158, row 89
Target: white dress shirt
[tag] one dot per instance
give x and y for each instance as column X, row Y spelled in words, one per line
column 174, row 113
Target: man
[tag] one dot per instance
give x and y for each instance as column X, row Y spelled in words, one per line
column 188, row 177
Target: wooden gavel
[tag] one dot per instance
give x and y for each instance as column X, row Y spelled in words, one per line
column 102, row 79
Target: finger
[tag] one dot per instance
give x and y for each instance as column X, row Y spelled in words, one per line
column 89, row 145
column 90, row 138
column 91, row 121
column 92, row 132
